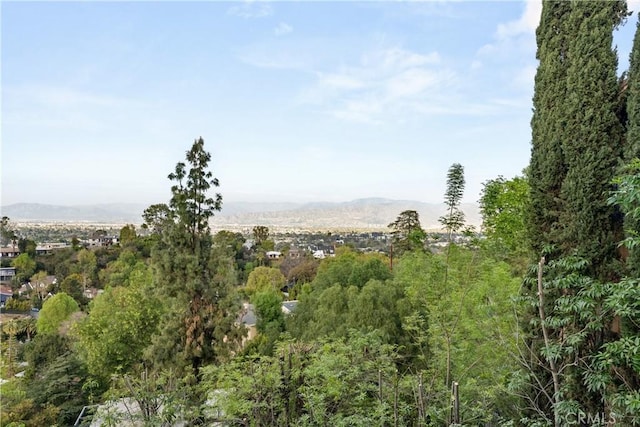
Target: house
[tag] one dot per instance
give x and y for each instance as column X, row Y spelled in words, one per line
column 249, row 320
column 288, row 307
column 99, row 241
column 40, row 287
column 47, row 248
column 295, row 253
column 273, row 254
column 248, row 244
column 9, row 252
column 319, row 254
column 91, row 293
column 7, row 274
column 5, row 294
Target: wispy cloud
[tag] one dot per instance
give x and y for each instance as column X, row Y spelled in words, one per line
column 282, row 29
column 527, row 23
column 283, row 60
column 64, row 97
column 63, row 107
column 251, row 9
column 384, row 82
column 512, row 39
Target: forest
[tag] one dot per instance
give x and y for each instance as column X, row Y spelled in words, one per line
column 532, row 320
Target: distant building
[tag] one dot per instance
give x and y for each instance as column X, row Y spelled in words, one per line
column 319, row 254
column 249, row 320
column 295, row 253
column 9, row 252
column 7, row 274
column 273, row 254
column 47, row 248
column 100, row 241
column 40, row 287
column 91, row 293
column 288, row 307
column 5, row 294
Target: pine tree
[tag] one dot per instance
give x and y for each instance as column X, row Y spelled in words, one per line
column 407, row 234
column 454, row 219
column 200, row 326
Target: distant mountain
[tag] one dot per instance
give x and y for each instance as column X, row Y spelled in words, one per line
column 371, row 213
column 116, row 213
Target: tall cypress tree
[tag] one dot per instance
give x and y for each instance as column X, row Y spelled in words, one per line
column 576, row 149
column 592, row 145
column 632, row 143
column 547, row 167
column 632, row 139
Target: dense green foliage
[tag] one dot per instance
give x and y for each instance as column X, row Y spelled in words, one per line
column 264, row 279
column 590, row 227
column 120, row 324
column 578, row 135
column 547, row 168
column 55, row 311
column 504, row 205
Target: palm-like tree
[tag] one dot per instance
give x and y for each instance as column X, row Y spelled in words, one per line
column 12, row 329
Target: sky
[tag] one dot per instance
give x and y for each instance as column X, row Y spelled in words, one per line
column 296, row 101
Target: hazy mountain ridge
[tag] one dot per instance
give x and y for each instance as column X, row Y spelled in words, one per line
column 103, row 213
column 371, row 213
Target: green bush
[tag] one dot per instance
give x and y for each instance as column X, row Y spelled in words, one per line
column 17, row 304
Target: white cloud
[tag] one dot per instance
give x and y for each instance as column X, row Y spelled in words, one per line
column 282, row 29
column 386, row 83
column 395, row 58
column 512, row 33
column 284, row 60
column 411, row 82
column 251, row 9
column 527, row 23
column 360, row 110
column 340, row 81
column 62, row 97
column 512, row 51
column 57, row 107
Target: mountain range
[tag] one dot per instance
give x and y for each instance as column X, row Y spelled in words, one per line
column 371, row 213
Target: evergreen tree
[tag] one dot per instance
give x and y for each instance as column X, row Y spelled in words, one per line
column 577, row 147
column 632, row 143
column 632, row 140
column 454, row 219
column 200, row 326
column 547, row 168
column 593, row 141
column 407, row 234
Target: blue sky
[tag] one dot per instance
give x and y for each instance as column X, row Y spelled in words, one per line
column 296, row 101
